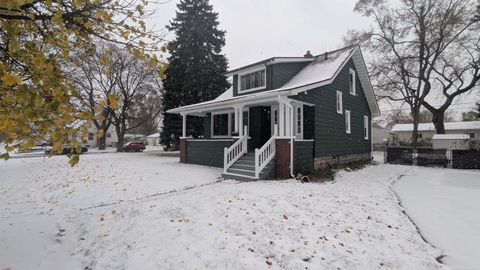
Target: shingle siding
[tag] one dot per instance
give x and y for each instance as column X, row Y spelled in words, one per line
column 283, row 72
column 206, row 152
column 303, row 156
column 329, row 130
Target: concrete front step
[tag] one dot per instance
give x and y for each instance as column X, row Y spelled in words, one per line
column 238, row 177
column 242, row 172
column 250, row 167
column 245, row 162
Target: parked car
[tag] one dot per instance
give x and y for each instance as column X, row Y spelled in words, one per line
column 67, row 150
column 134, row 147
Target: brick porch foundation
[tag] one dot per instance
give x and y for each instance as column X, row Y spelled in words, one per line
column 183, row 150
column 282, row 159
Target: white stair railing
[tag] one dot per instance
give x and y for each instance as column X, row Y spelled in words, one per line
column 264, row 155
column 235, row 151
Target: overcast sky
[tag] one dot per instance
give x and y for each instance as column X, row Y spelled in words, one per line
column 259, row 29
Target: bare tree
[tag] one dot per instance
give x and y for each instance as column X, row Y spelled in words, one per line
column 92, row 73
column 137, row 81
column 145, row 117
column 424, row 50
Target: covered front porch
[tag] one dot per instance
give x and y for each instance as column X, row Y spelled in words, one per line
column 253, row 139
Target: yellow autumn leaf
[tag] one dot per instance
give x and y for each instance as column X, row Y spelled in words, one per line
column 100, row 133
column 9, row 79
column 113, row 101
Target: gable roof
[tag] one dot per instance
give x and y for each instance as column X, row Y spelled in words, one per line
column 322, row 70
column 468, row 125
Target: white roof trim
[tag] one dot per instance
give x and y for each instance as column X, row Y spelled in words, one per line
column 278, row 60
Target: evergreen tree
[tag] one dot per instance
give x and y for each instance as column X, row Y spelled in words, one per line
column 196, row 66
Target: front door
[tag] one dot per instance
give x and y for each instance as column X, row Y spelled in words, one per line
column 260, row 122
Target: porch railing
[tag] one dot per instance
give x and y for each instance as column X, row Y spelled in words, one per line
column 235, row 151
column 264, row 155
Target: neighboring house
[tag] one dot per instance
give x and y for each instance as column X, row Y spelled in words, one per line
column 131, row 137
column 286, row 115
column 379, row 136
column 111, row 137
column 153, row 139
column 403, row 132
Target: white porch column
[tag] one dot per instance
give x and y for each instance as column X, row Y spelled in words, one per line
column 281, row 119
column 239, row 124
column 288, row 119
column 184, row 125
column 236, row 119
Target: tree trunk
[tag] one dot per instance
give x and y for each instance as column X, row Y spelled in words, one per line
column 438, row 121
column 102, row 141
column 415, row 116
column 121, row 137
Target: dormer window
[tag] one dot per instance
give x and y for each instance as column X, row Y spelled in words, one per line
column 252, row 81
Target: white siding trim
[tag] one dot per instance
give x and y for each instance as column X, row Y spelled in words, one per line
column 348, row 122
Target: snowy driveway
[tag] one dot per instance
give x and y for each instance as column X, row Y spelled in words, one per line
column 138, row 211
column 445, row 204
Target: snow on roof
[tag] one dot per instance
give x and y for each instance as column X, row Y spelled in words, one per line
column 322, row 68
column 469, row 125
column 451, row 137
column 225, row 95
column 154, row 135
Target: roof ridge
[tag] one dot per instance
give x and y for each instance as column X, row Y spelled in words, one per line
column 337, row 50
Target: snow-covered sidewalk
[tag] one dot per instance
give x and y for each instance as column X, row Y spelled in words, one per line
column 140, row 211
column 445, row 204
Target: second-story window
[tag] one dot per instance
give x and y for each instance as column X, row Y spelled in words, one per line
column 353, row 88
column 252, row 81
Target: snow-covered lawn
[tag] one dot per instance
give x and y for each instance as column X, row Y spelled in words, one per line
column 445, row 204
column 141, row 211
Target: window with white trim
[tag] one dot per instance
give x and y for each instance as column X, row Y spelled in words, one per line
column 352, row 80
column 299, row 122
column 347, row 122
column 339, row 102
column 252, row 81
column 220, row 124
column 365, row 126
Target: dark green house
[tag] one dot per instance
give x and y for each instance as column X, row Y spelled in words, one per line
column 286, row 115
